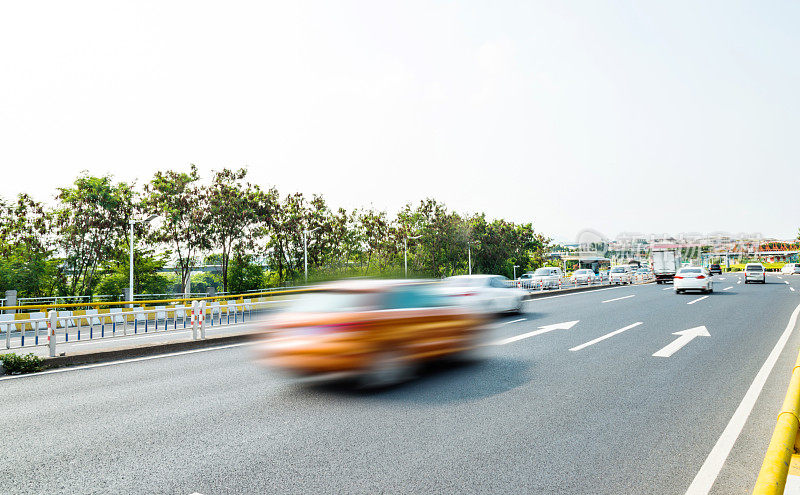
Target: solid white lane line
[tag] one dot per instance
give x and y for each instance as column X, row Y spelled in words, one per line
column 123, row 361
column 512, row 321
column 666, row 288
column 695, row 300
column 728, row 288
column 606, row 336
column 710, row 469
column 618, row 298
column 543, row 329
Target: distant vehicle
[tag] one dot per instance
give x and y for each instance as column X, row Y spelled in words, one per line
column 754, row 272
column 376, row 330
column 620, row 274
column 714, row 268
column 791, row 268
column 645, row 275
column 549, row 277
column 486, row 293
column 525, row 280
column 693, row 278
column 666, row 263
column 583, row 276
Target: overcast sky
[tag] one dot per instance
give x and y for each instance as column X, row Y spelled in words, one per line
column 618, row 116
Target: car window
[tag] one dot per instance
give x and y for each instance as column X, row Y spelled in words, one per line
column 333, row 302
column 690, row 270
column 754, row 268
column 498, row 282
column 411, row 297
column 543, row 272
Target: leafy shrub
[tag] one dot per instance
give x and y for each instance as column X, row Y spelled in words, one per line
column 15, row 364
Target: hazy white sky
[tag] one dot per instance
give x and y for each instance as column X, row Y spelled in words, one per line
column 621, row 116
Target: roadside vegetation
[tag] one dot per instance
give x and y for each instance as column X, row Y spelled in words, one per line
column 16, row 364
column 249, row 237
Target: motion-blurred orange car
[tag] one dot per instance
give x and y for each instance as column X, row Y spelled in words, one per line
column 376, row 329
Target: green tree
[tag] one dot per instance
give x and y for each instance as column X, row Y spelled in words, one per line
column 179, row 200
column 232, row 213
column 92, row 219
column 246, row 275
column 147, row 278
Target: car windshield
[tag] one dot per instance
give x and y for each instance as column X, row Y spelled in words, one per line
column 642, row 270
column 755, row 268
column 582, row 272
column 543, row 271
column 690, row 270
column 466, row 281
column 618, row 269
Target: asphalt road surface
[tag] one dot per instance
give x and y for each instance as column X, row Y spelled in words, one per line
column 580, row 407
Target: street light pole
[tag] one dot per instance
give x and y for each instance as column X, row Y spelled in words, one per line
column 469, row 256
column 515, row 271
column 305, row 251
column 405, row 253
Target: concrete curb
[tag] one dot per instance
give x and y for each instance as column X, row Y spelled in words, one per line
column 142, row 351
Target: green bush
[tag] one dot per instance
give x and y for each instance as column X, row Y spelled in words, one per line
column 15, row 364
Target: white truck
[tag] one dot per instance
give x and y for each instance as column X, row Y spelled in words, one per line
column 666, row 262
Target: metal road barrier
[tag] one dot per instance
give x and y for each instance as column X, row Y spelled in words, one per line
column 782, row 461
column 54, row 327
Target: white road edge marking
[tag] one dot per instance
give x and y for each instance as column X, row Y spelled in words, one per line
column 710, row 469
column 728, row 288
column 123, row 361
column 696, row 300
column 604, row 337
column 618, row 298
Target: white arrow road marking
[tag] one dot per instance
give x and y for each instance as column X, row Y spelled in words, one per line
column 728, row 288
column 738, row 281
column 666, row 288
column 544, row 329
column 685, row 336
column 619, row 298
column 786, row 282
column 791, row 289
column 696, row 300
column 604, row 337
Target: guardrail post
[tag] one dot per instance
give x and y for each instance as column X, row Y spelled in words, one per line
column 52, row 324
column 194, row 320
column 203, row 320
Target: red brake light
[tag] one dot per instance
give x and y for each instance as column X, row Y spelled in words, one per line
column 680, row 278
column 701, row 276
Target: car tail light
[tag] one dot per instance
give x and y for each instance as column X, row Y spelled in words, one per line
column 679, row 278
column 468, row 293
column 701, row 276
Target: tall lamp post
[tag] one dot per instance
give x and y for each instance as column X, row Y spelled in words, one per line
column 130, row 264
column 405, row 253
column 515, row 271
column 469, row 255
column 305, row 250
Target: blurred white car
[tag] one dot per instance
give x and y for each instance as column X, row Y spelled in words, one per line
column 755, row 272
column 791, row 268
column 583, row 276
column 485, row 293
column 693, row 278
column 620, row 274
column 549, row 277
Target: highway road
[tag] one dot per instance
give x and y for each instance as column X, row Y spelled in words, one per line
column 590, row 392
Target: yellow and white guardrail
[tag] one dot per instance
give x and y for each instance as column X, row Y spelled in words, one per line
column 781, row 467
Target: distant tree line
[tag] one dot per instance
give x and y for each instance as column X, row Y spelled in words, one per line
column 79, row 244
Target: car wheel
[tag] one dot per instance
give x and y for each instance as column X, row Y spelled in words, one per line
column 386, row 369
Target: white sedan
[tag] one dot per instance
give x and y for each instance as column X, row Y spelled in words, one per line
column 583, row 276
column 693, row 278
column 486, row 293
